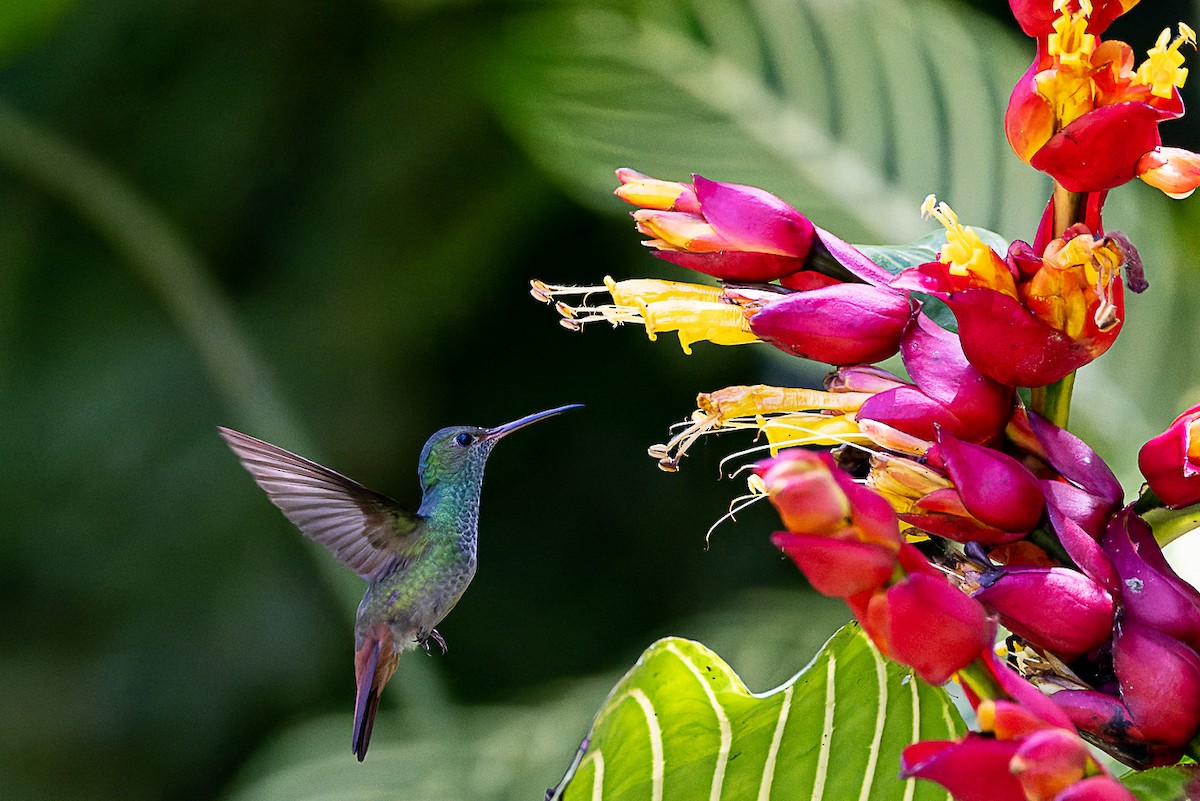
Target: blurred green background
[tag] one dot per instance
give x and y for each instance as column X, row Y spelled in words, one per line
column 316, row 222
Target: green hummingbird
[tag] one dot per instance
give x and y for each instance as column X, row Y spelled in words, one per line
column 416, row 566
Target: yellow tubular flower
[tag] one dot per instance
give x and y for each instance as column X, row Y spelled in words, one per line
column 748, row 407
column 651, row 193
column 697, row 311
column 673, row 230
column 652, row 290
column 696, row 321
column 807, row 428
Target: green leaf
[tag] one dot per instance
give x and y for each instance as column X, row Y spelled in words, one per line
column 1162, row 784
column 681, row 724
column 852, row 111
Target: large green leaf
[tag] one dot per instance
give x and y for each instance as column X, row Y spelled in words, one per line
column 681, row 724
column 1163, row 784
column 852, row 111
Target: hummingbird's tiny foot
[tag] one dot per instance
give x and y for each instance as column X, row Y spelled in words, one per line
column 423, row 639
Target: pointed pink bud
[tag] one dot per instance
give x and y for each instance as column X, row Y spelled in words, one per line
column 1171, row 461
column 1096, row 788
column 1107, row 720
column 1067, row 502
column 814, row 496
column 1152, row 593
column 731, row 232
column 1056, row 608
column 1073, row 458
column 752, row 219
column 924, row 622
column 1048, row 762
column 838, row 568
column 1160, row 684
column 1085, row 552
column 943, row 514
column 995, row 488
column 838, row 324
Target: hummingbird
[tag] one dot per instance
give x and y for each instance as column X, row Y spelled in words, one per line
column 416, row 565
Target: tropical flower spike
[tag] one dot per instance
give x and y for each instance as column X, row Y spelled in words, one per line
column 937, row 503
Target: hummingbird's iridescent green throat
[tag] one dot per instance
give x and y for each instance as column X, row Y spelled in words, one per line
column 416, row 566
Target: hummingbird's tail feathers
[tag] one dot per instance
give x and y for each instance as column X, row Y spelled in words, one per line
column 366, row 531
column 374, row 663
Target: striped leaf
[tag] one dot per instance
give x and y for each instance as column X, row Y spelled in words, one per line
column 852, row 111
column 682, row 725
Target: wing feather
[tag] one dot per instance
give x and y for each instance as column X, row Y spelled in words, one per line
column 367, row 531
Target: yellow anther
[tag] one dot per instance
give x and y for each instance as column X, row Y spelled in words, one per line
column 1070, row 43
column 965, row 253
column 1163, row 69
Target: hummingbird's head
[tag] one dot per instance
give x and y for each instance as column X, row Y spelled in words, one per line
column 460, row 452
column 457, row 452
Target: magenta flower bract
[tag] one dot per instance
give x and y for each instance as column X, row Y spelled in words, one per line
column 839, row 324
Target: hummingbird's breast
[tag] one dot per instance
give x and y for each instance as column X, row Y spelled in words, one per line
column 413, row 599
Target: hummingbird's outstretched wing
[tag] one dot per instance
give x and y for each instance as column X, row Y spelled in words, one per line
column 367, row 531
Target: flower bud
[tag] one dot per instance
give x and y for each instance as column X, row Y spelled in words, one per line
column 729, row 231
column 1152, row 593
column 838, row 324
column 814, row 496
column 838, row 567
column 1056, row 608
column 1048, row 762
column 996, row 489
column 1171, row 461
column 924, row 622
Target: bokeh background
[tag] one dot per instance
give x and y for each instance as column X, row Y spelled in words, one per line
column 316, row 222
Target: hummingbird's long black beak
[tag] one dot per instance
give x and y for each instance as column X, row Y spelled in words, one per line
column 508, row 428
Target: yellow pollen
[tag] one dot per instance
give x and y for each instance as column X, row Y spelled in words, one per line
column 1163, row 69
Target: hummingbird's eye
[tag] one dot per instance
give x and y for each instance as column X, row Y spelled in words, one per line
column 464, row 439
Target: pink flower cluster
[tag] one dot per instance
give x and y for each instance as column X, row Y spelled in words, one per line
column 939, row 504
